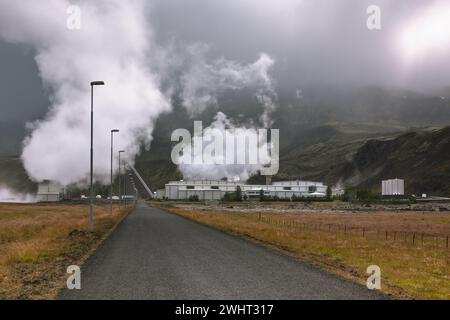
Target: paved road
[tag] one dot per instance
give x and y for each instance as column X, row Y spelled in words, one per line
column 156, row 255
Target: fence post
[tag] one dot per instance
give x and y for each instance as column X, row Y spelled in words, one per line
column 386, row 235
column 414, row 238
column 395, row 235
column 446, row 245
column 364, row 232
column 422, row 238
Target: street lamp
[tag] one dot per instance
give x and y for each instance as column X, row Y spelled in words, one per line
column 120, row 176
column 112, row 156
column 91, row 204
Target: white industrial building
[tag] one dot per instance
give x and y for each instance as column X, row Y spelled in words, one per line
column 215, row 190
column 49, row 191
column 393, row 187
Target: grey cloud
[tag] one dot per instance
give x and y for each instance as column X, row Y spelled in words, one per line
column 321, row 41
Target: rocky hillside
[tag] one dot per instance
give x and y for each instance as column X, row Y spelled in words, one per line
column 332, row 154
column 422, row 158
column 349, row 137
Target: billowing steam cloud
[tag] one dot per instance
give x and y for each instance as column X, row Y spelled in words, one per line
column 112, row 45
column 217, row 166
column 115, row 45
column 9, row 196
column 203, row 81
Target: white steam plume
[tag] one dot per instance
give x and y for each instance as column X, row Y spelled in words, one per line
column 112, row 45
column 218, row 171
column 203, row 81
column 9, row 196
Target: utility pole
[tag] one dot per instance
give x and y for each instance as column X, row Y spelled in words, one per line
column 91, row 197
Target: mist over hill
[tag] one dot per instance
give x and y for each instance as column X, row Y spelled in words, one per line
column 327, row 79
column 326, row 131
column 336, row 135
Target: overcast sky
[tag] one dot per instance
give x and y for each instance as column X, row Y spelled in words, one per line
column 311, row 41
column 314, row 41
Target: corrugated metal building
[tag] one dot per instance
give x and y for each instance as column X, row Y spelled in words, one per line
column 215, row 190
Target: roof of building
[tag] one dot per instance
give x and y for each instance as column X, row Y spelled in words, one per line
column 234, row 183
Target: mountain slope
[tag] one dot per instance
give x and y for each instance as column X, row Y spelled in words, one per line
column 351, row 136
column 422, row 158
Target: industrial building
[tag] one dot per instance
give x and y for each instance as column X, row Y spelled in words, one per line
column 49, row 191
column 393, row 187
column 215, row 190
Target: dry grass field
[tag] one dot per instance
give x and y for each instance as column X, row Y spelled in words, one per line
column 347, row 243
column 39, row 241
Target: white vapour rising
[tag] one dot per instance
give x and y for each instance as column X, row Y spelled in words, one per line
column 9, row 196
column 218, row 171
column 204, row 80
column 112, row 45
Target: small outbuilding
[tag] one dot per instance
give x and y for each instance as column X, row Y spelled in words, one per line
column 49, row 191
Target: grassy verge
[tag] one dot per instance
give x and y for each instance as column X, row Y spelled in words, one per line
column 408, row 271
column 39, row 242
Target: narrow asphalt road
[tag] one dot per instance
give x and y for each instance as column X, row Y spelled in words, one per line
column 157, row 255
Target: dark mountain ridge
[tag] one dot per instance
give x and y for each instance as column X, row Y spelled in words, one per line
column 353, row 137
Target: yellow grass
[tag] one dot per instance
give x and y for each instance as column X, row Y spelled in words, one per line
column 38, row 243
column 408, row 271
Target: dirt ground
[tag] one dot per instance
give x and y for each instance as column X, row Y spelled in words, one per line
column 38, row 242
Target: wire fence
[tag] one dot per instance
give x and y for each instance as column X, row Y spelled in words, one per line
column 407, row 237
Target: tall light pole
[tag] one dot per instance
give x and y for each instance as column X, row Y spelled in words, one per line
column 120, row 176
column 112, row 156
column 91, row 200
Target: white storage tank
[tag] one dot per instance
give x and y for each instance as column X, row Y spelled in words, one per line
column 393, row 187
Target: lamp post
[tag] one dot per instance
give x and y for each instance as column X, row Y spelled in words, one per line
column 120, row 176
column 112, row 156
column 91, row 197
